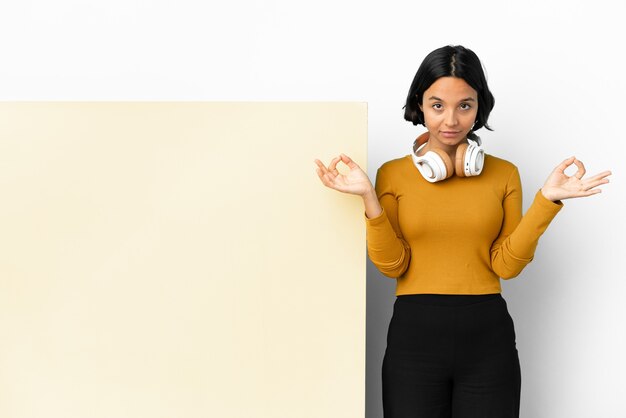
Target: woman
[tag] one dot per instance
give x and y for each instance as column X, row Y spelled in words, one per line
column 446, row 222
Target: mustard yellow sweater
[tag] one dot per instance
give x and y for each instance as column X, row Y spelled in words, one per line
column 456, row 236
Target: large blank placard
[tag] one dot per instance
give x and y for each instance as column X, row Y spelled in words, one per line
column 180, row 260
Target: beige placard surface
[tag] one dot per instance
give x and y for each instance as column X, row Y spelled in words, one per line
column 180, row 259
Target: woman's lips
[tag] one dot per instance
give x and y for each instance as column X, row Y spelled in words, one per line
column 449, row 134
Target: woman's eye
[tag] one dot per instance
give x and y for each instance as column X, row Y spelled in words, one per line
column 466, row 106
column 437, row 106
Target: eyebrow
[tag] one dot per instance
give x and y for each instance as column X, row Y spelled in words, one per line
column 467, row 99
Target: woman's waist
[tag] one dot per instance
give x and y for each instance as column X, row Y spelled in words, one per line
column 434, row 299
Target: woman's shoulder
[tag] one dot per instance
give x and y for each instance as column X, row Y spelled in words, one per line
column 499, row 164
column 397, row 164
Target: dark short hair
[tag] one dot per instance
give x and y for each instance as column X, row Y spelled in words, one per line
column 450, row 61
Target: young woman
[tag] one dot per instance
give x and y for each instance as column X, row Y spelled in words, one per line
column 446, row 222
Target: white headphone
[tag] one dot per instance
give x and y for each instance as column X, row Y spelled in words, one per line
column 436, row 165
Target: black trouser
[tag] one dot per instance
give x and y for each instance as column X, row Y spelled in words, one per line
column 451, row 356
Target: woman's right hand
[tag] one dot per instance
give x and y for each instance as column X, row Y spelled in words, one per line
column 355, row 182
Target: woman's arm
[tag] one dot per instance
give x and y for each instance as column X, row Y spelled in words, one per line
column 515, row 246
column 389, row 252
column 386, row 246
column 372, row 205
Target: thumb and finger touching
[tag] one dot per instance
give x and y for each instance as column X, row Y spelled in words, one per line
column 331, row 177
column 566, row 186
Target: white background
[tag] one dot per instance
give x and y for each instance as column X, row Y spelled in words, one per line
column 555, row 69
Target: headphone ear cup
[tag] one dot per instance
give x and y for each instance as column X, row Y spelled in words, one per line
column 447, row 162
column 474, row 160
column 459, row 161
column 422, row 139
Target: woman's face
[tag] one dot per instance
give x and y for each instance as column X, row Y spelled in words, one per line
column 450, row 106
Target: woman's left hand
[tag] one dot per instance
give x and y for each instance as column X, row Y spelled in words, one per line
column 560, row 186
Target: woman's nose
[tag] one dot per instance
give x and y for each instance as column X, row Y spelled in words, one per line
column 451, row 119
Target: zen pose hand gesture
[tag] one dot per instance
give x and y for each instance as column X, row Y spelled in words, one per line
column 355, row 182
column 559, row 186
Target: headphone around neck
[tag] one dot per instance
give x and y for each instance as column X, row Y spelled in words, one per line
column 436, row 165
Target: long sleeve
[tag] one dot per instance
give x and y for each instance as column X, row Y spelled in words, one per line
column 515, row 246
column 386, row 247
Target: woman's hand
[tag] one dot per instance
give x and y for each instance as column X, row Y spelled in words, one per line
column 559, row 186
column 355, row 182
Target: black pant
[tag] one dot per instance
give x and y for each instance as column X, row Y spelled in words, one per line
column 451, row 356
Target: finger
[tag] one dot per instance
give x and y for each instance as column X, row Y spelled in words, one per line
column 582, row 193
column 596, row 183
column 329, row 180
column 566, row 163
column 581, row 169
column 330, row 171
column 348, row 161
column 323, row 177
column 321, row 174
column 590, row 192
column 330, row 176
column 600, row 176
column 326, row 176
column 333, row 164
column 321, row 166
